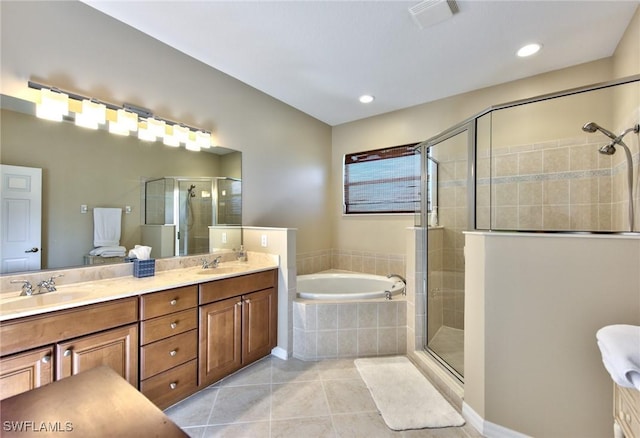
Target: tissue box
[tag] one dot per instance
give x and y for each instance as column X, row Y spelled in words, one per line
column 144, row 268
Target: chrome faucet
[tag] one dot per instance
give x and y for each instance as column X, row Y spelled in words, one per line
column 398, row 276
column 388, row 295
column 211, row 264
column 49, row 285
column 27, row 288
column 404, row 289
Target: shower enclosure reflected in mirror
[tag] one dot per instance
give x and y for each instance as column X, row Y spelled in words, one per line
column 192, row 215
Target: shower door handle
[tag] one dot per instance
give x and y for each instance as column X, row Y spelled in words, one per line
column 34, row 249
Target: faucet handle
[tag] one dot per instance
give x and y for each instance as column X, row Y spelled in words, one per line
column 52, row 279
column 27, row 288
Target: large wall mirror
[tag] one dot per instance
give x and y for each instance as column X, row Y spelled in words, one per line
column 85, row 169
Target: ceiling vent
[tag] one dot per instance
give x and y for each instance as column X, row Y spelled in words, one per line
column 430, row 12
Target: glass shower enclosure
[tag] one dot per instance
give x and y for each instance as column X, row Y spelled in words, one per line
column 446, row 164
column 535, row 165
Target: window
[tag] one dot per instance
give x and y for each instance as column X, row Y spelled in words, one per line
column 382, row 181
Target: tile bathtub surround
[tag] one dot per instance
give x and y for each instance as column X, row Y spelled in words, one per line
column 275, row 398
column 349, row 329
column 350, row 260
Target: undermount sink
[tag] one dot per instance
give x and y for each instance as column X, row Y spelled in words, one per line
column 220, row 270
column 47, row 299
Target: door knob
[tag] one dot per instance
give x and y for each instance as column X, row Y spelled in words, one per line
column 34, row 249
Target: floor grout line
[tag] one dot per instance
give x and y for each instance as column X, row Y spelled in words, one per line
column 331, row 374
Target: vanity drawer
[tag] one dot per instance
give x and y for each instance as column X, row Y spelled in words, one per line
column 231, row 287
column 171, row 386
column 167, row 353
column 173, row 300
column 162, row 327
column 35, row 331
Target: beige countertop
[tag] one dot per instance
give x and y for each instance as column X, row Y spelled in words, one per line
column 67, row 296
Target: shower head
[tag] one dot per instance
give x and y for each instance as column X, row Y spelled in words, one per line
column 593, row 127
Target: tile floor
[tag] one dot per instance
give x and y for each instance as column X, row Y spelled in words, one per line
column 274, row 398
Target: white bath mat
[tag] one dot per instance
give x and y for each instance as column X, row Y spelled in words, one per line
column 404, row 397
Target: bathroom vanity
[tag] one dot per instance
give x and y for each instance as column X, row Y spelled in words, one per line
column 626, row 412
column 170, row 336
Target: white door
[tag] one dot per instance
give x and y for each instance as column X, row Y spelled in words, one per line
column 20, row 218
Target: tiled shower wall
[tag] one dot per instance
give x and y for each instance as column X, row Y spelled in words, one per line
column 560, row 185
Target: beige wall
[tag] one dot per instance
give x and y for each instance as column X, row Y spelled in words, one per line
column 286, row 153
column 531, row 360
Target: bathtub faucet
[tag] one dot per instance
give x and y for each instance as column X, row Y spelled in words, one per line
column 388, row 295
column 404, row 289
column 398, row 276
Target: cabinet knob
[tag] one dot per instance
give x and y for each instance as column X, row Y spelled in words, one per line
column 67, row 353
column 46, row 359
column 239, row 303
column 247, row 301
column 174, row 325
column 173, row 302
column 173, row 385
column 173, row 353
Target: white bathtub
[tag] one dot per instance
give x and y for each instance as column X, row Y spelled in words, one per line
column 347, row 286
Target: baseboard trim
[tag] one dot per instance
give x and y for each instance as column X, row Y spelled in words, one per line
column 280, row 353
column 487, row 428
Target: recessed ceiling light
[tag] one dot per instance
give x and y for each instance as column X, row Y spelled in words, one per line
column 529, row 49
column 366, row 98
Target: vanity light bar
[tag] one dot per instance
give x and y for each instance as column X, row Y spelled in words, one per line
column 54, row 104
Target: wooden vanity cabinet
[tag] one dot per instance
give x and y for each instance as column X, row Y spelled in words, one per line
column 35, row 349
column 162, row 343
column 169, row 345
column 238, row 323
column 24, row 371
column 116, row 348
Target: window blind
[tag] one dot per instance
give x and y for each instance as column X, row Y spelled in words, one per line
column 382, row 181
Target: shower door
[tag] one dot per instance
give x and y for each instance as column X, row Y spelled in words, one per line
column 448, row 166
column 195, row 215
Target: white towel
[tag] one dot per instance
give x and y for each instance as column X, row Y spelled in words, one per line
column 109, row 251
column 620, row 348
column 106, row 226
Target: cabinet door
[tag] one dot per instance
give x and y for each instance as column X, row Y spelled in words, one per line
column 259, row 324
column 116, row 348
column 219, row 341
column 22, row 372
